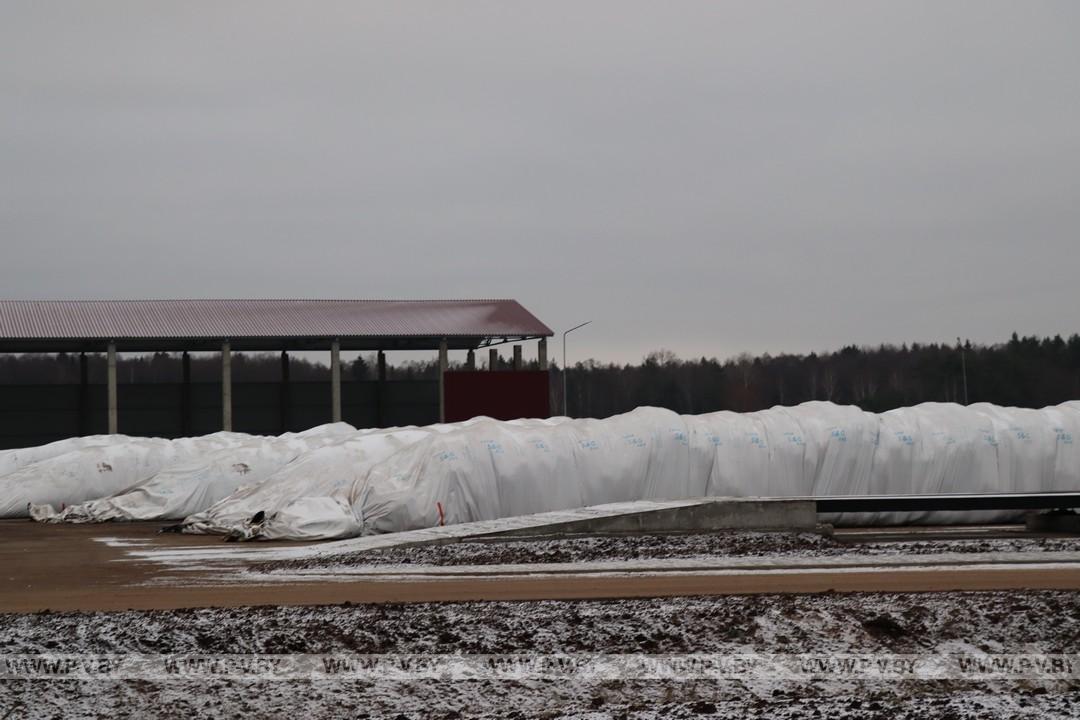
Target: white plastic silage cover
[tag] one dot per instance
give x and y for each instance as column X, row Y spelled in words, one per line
column 97, row 471
column 12, row 460
column 492, row 470
column 194, row 484
column 412, row 478
column 313, row 497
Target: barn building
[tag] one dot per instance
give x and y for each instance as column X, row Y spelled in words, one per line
column 34, row 413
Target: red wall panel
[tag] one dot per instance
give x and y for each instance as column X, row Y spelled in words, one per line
column 500, row 395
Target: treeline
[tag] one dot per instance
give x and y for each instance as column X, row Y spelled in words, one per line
column 34, row 369
column 1025, row 371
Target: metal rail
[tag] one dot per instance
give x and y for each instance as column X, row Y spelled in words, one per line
column 949, row 501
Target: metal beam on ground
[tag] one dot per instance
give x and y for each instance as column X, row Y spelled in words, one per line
column 948, row 501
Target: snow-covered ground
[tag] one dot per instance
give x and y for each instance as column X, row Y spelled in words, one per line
column 742, row 544
column 907, row 624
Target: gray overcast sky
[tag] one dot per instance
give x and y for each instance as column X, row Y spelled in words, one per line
column 709, row 177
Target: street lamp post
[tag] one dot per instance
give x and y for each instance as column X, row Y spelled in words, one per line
column 564, row 412
column 963, row 368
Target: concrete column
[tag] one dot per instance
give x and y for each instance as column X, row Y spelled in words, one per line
column 84, row 395
column 493, row 359
column 285, row 397
column 541, row 353
column 111, row 380
column 185, row 395
column 444, row 361
column 517, row 358
column 380, row 388
column 470, row 360
column 226, row 386
column 335, row 381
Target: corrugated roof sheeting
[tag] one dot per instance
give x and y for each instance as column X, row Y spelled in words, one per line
column 202, row 319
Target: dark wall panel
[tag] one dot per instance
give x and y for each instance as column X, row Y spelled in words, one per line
column 410, row 403
column 148, row 410
column 359, row 403
column 256, row 408
column 38, row 414
column 29, row 417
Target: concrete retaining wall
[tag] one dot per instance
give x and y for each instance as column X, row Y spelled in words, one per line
column 701, row 515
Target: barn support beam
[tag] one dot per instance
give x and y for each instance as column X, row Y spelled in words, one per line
column 380, row 391
column 226, row 386
column 541, row 353
column 111, row 388
column 444, row 361
column 335, row 381
column 517, row 358
column 493, row 359
column 185, row 395
column 84, row 395
column 284, row 398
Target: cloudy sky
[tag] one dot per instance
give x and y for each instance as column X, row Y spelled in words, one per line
column 709, row 177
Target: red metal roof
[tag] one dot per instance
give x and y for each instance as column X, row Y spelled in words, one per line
column 36, row 320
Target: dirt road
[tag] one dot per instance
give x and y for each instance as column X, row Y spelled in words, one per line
column 89, row 567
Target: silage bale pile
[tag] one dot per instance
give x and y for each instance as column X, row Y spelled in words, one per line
column 334, row 481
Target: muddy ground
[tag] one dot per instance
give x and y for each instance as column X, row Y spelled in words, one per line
column 1046, row 622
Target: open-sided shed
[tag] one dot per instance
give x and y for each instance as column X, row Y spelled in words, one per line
column 226, row 326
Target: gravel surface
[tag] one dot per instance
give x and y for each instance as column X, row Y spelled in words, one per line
column 655, row 547
column 1047, row 622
